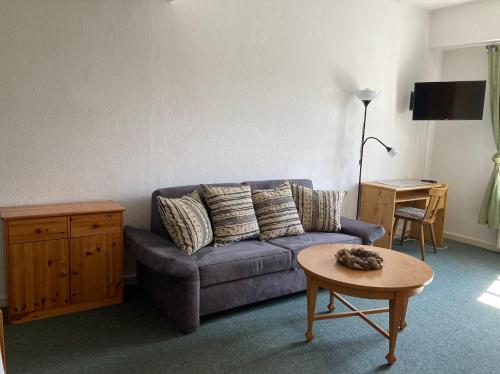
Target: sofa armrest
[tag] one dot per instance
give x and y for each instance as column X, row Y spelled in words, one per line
column 168, row 275
column 368, row 232
column 159, row 254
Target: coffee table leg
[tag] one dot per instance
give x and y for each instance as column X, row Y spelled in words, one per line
column 331, row 306
column 403, row 314
column 395, row 313
column 312, row 293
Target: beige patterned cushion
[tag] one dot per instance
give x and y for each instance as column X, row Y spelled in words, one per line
column 410, row 212
column 276, row 212
column 186, row 221
column 233, row 216
column 318, row 210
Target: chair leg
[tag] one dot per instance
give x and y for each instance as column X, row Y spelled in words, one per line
column 396, row 223
column 404, row 231
column 422, row 241
column 433, row 236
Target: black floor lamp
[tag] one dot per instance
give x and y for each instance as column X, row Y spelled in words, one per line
column 367, row 96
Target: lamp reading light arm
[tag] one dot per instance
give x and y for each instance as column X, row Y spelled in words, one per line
column 378, row 140
column 389, row 149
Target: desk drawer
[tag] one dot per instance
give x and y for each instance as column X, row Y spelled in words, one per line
column 95, row 224
column 37, row 229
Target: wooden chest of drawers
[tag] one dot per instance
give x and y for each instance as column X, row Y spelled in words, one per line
column 62, row 258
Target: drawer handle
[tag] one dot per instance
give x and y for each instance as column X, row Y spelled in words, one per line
column 38, row 231
column 95, row 226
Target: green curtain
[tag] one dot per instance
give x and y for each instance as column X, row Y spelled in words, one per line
column 490, row 208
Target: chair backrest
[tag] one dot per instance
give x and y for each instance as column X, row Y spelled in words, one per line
column 436, row 196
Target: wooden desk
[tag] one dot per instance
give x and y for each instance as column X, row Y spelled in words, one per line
column 379, row 201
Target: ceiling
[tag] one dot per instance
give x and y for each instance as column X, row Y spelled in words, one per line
column 433, row 4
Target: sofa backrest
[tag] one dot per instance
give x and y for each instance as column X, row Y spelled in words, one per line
column 156, row 223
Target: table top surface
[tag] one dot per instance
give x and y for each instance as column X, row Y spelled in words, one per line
column 400, row 271
column 417, row 186
column 47, row 210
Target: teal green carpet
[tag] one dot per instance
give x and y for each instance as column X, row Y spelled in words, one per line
column 448, row 331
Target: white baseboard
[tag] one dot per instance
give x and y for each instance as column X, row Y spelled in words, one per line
column 472, row 241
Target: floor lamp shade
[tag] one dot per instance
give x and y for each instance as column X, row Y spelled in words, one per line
column 366, row 94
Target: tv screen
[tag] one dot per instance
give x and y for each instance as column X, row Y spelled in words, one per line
column 439, row 101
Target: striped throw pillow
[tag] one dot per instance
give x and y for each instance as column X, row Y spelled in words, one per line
column 186, row 221
column 318, row 210
column 276, row 212
column 232, row 213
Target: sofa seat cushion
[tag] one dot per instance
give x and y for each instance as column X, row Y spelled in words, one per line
column 240, row 260
column 297, row 243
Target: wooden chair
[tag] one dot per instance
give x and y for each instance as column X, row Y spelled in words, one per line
column 421, row 217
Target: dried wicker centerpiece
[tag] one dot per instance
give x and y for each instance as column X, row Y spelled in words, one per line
column 359, row 259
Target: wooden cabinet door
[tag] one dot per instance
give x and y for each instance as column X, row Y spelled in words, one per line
column 38, row 276
column 96, row 267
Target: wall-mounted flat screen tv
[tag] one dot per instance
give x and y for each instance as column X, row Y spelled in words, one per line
column 439, row 101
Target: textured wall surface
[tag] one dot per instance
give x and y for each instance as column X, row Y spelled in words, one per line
column 110, row 99
column 463, row 150
column 465, row 24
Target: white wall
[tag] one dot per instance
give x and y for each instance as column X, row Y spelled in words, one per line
column 466, row 24
column 112, row 99
column 462, row 153
column 462, row 150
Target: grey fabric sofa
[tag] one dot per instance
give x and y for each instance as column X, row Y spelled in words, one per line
column 214, row 279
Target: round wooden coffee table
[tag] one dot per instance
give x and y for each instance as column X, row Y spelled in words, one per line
column 402, row 276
